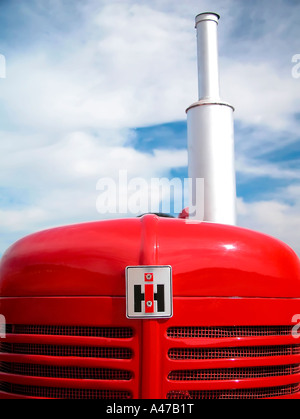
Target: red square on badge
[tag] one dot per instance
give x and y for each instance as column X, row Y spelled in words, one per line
column 148, row 277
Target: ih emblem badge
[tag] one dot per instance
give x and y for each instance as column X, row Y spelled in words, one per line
column 148, row 291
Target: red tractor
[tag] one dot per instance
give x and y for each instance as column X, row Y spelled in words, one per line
column 157, row 307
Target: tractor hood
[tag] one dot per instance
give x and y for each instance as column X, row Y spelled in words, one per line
column 207, row 259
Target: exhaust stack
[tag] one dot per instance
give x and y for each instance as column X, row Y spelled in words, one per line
column 211, row 133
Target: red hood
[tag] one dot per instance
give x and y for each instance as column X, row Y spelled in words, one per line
column 207, row 259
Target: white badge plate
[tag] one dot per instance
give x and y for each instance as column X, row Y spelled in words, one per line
column 149, row 292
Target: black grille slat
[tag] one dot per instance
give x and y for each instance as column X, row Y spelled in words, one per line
column 65, row 371
column 233, row 373
column 249, row 393
column 105, row 332
column 232, row 352
column 63, row 393
column 217, row 332
column 63, row 350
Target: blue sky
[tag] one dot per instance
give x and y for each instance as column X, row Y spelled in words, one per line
column 95, row 87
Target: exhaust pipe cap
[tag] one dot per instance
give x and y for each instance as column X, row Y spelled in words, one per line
column 207, row 16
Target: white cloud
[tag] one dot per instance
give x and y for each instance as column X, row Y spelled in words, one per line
column 133, row 64
column 128, row 74
column 278, row 217
column 262, row 96
column 28, row 218
column 251, row 168
column 61, row 178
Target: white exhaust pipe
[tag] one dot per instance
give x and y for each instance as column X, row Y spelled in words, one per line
column 211, row 133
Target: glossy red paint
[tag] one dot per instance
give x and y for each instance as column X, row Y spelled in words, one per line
column 207, row 259
column 223, row 277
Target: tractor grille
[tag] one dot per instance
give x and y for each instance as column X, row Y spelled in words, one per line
column 75, row 362
column 232, row 362
column 78, row 362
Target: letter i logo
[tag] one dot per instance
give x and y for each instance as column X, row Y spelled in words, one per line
column 149, row 293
